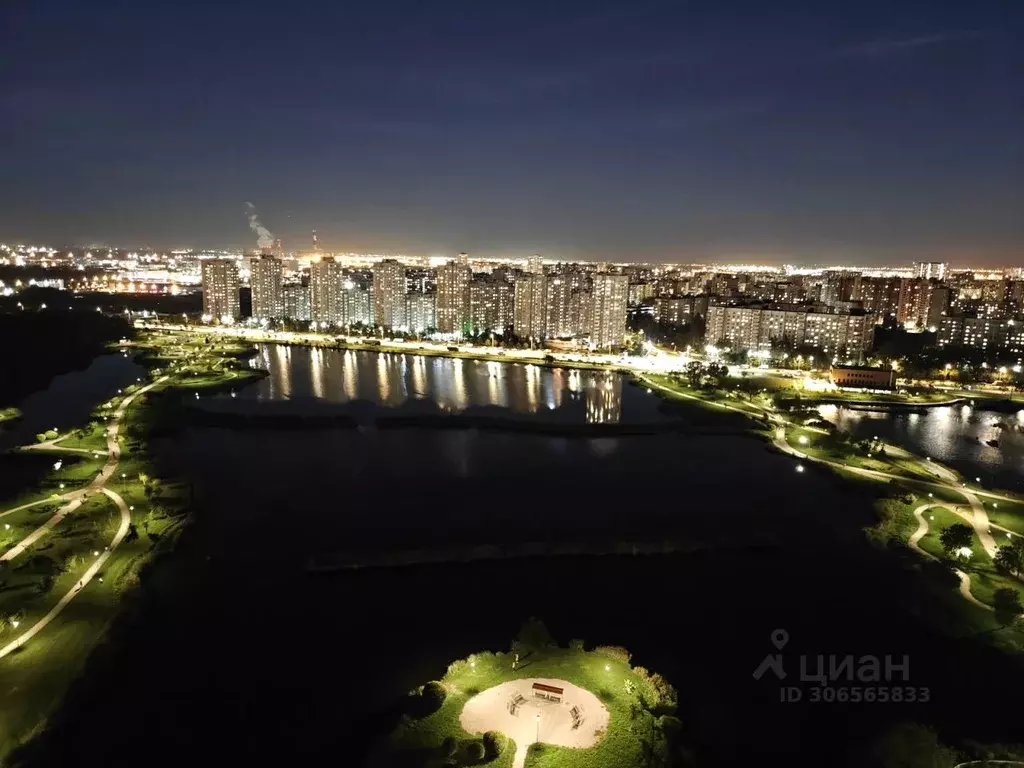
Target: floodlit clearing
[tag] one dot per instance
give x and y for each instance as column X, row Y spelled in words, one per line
column 536, row 719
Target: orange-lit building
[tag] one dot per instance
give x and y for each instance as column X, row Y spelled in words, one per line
column 863, row 378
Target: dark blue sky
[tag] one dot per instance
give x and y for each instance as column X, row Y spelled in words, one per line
column 867, row 132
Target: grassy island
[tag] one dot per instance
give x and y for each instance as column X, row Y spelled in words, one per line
column 569, row 707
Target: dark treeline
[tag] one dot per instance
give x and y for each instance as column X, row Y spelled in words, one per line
column 38, row 345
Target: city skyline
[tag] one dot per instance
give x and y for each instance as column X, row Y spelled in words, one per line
column 652, row 132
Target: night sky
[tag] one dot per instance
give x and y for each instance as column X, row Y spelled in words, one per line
column 856, row 131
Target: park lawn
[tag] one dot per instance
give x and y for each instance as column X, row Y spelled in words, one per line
column 818, row 446
column 943, row 518
column 93, row 437
column 726, row 399
column 922, row 397
column 605, row 677
column 1007, row 514
column 38, row 674
column 77, row 471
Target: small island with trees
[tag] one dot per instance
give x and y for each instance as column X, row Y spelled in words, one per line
column 539, row 705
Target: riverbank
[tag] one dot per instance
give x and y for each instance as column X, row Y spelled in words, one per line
column 455, row 350
column 88, row 556
column 870, row 405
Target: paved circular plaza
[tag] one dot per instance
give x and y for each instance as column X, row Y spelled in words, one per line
column 578, row 719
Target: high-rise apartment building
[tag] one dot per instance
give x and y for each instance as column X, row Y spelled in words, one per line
column 930, row 270
column 265, row 274
column 559, row 322
column 220, row 290
column 295, row 297
column 355, row 304
column 530, row 307
column 879, row 295
column 608, row 318
column 453, row 298
column 388, row 293
column 325, row 291
column 838, row 286
column 745, row 328
column 491, row 306
column 534, row 265
column 420, row 309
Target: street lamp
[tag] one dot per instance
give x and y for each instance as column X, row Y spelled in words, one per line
column 538, row 727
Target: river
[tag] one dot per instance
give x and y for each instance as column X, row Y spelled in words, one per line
column 977, row 442
column 70, row 398
column 414, row 382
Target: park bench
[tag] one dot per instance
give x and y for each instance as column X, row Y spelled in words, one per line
column 548, row 692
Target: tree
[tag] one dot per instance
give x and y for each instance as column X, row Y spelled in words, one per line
column 1007, row 605
column 1010, row 557
column 718, row 373
column 909, row 745
column 695, row 373
column 955, row 537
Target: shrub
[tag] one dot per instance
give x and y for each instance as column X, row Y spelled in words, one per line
column 426, row 700
column 449, row 745
column 494, row 744
column 616, row 652
column 576, row 644
column 457, row 667
column 475, row 751
column 434, row 693
column 533, row 636
column 661, row 694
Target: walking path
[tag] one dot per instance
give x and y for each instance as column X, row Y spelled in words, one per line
column 977, row 517
column 91, row 572
column 920, row 533
column 75, row 500
column 51, row 445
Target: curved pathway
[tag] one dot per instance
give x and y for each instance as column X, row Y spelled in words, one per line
column 920, row 533
column 97, row 485
column 90, row 572
column 977, row 517
column 51, row 445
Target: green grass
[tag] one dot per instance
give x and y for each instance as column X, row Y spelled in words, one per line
column 35, row 677
column 1007, row 514
column 943, row 518
column 621, row 746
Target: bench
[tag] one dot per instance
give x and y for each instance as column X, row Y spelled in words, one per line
column 548, row 692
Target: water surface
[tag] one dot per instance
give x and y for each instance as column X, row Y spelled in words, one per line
column 306, row 374
column 979, row 443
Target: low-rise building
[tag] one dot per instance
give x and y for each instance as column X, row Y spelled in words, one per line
column 863, row 377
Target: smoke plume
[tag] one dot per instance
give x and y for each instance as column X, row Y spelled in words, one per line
column 264, row 237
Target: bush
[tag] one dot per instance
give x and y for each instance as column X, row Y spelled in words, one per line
column 494, row 744
column 475, row 751
column 434, row 693
column 616, row 652
column 533, row 636
column 661, row 694
column 449, row 745
column 576, row 644
column 424, row 701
